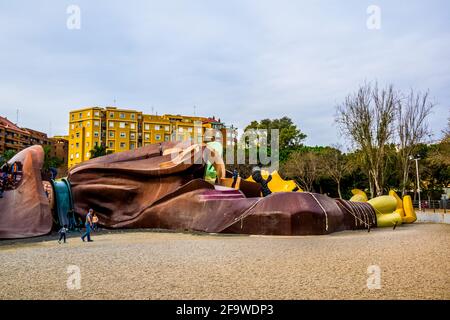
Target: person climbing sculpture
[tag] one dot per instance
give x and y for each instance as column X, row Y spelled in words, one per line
column 258, row 178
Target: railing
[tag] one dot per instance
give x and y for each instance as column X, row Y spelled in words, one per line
column 433, row 205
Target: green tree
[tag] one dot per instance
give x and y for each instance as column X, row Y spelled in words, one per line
column 7, row 155
column 99, row 151
column 49, row 160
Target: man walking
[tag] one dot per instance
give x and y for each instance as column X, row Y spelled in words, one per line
column 88, row 225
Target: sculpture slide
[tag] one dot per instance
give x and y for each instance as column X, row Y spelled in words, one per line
column 161, row 186
column 278, row 184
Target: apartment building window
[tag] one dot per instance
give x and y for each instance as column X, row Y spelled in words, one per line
column 72, row 126
column 111, row 134
column 96, row 134
column 132, row 136
column 71, row 156
column 111, row 124
column 122, row 125
column 87, row 144
column 111, row 114
column 147, row 127
column 71, row 146
column 77, row 145
column 88, row 154
column 147, row 136
column 96, row 143
column 73, row 116
column 133, row 126
column 123, row 135
column 80, row 115
column 88, row 124
column 167, row 128
column 132, row 116
column 158, row 137
column 131, row 145
column 96, row 124
column 122, row 115
column 77, row 155
column 180, row 129
column 88, row 134
column 166, row 138
column 189, row 129
column 111, row 145
column 123, row 145
column 157, row 127
column 78, row 134
column 89, row 114
column 97, row 114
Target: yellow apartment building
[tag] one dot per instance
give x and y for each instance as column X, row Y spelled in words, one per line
column 123, row 129
column 85, row 132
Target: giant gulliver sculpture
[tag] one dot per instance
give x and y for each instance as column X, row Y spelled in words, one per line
column 162, row 186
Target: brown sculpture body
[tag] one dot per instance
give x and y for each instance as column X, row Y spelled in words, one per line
column 161, row 186
column 24, row 211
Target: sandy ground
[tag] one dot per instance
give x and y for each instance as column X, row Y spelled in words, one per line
column 414, row 262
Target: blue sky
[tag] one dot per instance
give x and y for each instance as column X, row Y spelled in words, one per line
column 237, row 60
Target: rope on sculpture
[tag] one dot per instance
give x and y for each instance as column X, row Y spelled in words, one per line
column 354, row 215
column 323, row 209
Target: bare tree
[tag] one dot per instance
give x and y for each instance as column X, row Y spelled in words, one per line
column 367, row 119
column 412, row 128
column 335, row 165
column 303, row 167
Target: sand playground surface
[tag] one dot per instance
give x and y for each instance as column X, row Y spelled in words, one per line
column 144, row 264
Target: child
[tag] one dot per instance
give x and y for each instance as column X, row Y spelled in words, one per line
column 95, row 222
column 62, row 233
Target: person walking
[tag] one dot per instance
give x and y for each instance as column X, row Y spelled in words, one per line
column 235, row 178
column 14, row 170
column 88, row 225
column 62, row 233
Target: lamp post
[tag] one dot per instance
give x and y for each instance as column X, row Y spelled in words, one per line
column 416, row 159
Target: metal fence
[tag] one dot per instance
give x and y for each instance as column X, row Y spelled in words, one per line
column 433, row 205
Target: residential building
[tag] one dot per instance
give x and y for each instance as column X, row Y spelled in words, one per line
column 120, row 129
column 15, row 138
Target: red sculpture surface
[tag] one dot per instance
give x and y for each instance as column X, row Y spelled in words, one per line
column 24, row 210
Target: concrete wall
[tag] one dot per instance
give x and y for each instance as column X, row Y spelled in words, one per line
column 433, row 217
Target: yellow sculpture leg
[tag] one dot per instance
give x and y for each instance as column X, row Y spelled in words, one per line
column 358, row 196
column 410, row 214
column 388, row 220
column 384, row 204
column 399, row 200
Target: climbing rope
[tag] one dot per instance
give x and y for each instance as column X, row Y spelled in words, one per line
column 323, row 209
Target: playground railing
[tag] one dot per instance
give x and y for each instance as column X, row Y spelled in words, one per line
column 433, row 205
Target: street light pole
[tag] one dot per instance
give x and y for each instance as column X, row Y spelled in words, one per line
column 416, row 159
